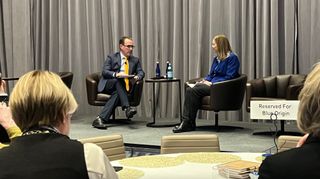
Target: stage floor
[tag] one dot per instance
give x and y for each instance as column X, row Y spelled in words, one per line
column 136, row 132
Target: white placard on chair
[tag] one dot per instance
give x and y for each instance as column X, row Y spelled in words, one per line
column 280, row 110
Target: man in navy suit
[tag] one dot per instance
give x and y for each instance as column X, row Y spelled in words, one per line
column 117, row 69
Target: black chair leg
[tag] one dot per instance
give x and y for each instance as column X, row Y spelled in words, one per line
column 222, row 128
column 113, row 114
column 114, row 120
column 216, row 119
column 283, row 132
column 217, row 127
column 279, row 132
column 282, row 126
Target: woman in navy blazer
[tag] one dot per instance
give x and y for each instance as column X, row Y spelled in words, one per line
column 304, row 161
column 225, row 66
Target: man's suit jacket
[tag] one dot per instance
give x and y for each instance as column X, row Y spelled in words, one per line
column 113, row 64
column 302, row 162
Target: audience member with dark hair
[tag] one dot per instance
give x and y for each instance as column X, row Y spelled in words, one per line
column 42, row 106
column 303, row 161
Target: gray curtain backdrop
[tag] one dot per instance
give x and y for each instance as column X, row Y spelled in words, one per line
column 270, row 37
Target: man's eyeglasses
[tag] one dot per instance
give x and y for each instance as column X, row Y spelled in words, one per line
column 129, row 46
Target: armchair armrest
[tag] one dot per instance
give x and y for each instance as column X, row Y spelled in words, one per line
column 228, row 94
column 248, row 96
column 258, row 87
column 255, row 88
column 92, row 91
column 293, row 91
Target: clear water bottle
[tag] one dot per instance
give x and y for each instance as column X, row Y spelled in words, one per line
column 166, row 75
column 170, row 72
column 158, row 72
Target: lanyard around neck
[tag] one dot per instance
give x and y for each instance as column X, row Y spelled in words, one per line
column 44, row 129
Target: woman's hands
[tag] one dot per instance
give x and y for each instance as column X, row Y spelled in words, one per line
column 302, row 140
column 3, row 86
column 204, row 82
column 5, row 116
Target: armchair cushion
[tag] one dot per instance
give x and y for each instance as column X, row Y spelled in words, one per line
column 257, row 87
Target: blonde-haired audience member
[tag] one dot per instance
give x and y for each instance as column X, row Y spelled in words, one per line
column 42, row 107
column 303, row 161
column 5, row 116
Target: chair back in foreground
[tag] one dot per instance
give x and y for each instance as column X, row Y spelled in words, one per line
column 286, row 142
column 112, row 145
column 189, row 143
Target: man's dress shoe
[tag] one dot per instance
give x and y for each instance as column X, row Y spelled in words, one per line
column 184, row 127
column 99, row 124
column 130, row 112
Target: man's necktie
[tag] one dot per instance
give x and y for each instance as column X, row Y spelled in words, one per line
column 126, row 71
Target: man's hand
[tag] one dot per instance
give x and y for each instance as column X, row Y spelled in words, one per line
column 121, row 75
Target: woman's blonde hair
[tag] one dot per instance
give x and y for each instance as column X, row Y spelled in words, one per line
column 41, row 98
column 309, row 107
column 223, row 46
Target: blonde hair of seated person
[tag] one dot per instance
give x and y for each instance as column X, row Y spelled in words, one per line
column 309, row 107
column 41, row 99
column 51, row 101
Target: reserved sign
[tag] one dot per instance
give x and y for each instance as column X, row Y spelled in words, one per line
column 280, row 110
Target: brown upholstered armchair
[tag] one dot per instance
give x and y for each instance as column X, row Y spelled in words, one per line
column 66, row 77
column 99, row 99
column 278, row 87
column 224, row 96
